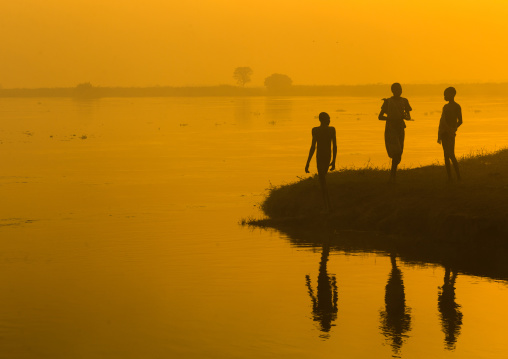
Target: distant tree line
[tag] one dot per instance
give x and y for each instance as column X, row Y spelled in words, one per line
column 82, row 91
column 275, row 83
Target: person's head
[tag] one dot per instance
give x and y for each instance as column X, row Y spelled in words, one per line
column 396, row 89
column 449, row 93
column 324, row 118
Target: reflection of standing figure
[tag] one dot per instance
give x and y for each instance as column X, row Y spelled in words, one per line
column 451, row 317
column 324, row 306
column 396, row 318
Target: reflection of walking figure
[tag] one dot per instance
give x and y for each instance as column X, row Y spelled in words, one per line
column 324, row 136
column 451, row 317
column 324, row 305
column 394, row 111
column 451, row 119
column 396, row 318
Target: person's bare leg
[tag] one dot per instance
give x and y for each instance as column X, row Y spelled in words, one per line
column 324, row 191
column 393, row 171
column 448, row 168
column 456, row 167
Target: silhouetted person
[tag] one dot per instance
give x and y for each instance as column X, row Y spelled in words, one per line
column 396, row 318
column 394, row 111
column 325, row 138
column 451, row 119
column 324, row 305
column 450, row 315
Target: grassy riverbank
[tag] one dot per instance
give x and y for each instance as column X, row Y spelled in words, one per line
column 422, row 202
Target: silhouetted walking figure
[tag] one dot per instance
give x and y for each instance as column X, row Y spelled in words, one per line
column 450, row 315
column 324, row 305
column 396, row 318
column 394, row 111
column 451, row 119
column 325, row 138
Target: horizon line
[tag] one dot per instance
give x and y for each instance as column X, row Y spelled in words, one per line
column 256, row 87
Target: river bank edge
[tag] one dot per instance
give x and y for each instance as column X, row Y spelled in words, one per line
column 422, row 205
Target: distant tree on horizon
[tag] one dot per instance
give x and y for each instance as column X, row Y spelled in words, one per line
column 242, row 75
column 278, row 82
column 85, row 90
column 84, row 85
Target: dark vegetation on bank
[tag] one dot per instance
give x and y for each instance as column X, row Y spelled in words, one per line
column 86, row 90
column 422, row 205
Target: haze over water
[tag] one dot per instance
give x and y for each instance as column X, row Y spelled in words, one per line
column 181, row 43
column 120, row 235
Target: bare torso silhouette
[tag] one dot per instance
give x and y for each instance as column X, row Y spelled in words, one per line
column 324, row 136
column 451, row 119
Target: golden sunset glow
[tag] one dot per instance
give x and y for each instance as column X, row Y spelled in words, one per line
column 240, row 179
column 179, row 43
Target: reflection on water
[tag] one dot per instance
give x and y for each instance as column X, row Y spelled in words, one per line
column 125, row 243
column 243, row 110
column 396, row 318
column 449, row 310
column 274, row 111
column 324, row 303
column 278, row 109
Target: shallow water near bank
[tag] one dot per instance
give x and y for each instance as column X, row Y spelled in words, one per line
column 120, row 236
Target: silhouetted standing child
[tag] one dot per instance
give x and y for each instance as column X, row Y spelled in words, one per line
column 451, row 119
column 394, row 111
column 324, row 136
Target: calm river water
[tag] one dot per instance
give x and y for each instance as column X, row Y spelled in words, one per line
column 120, row 236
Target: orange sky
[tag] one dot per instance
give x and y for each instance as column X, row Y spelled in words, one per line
column 200, row 42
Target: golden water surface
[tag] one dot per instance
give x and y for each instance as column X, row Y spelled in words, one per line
column 120, row 236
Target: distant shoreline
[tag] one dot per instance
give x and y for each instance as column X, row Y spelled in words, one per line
column 375, row 90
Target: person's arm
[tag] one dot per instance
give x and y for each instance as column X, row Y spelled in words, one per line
column 382, row 114
column 459, row 117
column 408, row 111
column 311, row 152
column 440, row 127
column 334, row 146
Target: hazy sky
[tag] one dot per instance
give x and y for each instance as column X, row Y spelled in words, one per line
column 200, row 42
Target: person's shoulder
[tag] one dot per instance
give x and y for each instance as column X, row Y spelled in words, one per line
column 405, row 101
column 452, row 106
